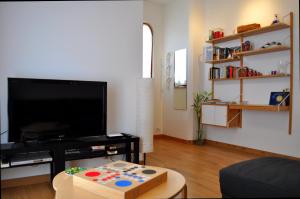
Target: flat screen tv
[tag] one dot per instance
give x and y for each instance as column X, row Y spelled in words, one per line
column 42, row 109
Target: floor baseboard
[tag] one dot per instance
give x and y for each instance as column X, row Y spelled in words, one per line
column 248, row 150
column 25, row 181
column 162, row 136
column 228, row 146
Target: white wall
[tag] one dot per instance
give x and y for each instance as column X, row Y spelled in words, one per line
column 183, row 29
column 178, row 123
column 153, row 15
column 196, row 42
column 99, row 41
column 261, row 130
column 186, row 22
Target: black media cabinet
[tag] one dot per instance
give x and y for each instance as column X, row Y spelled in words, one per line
column 57, row 149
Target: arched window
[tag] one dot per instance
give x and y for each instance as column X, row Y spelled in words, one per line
column 147, row 51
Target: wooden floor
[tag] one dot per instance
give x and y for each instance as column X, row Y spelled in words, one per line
column 35, row 191
column 199, row 164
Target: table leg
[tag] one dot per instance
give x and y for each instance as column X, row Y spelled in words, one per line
column 128, row 151
column 136, row 149
column 184, row 192
column 51, row 171
column 58, row 159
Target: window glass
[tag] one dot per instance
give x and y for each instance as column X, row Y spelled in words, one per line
column 147, row 51
column 180, row 67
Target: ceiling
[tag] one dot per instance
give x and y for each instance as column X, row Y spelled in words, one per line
column 162, row 2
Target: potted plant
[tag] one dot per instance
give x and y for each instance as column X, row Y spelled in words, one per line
column 199, row 99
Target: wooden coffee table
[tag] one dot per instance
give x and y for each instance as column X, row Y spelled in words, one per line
column 63, row 185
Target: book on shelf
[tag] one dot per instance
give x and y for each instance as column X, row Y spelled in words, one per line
column 208, row 53
column 219, row 53
column 232, row 72
column 223, row 72
column 229, row 72
column 214, row 73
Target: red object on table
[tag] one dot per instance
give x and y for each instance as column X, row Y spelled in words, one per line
column 92, row 174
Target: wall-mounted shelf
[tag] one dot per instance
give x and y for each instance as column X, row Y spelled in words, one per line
column 237, row 119
column 252, row 77
column 256, row 107
column 222, row 61
column 266, row 76
column 224, row 79
column 250, row 33
column 263, row 50
column 220, row 115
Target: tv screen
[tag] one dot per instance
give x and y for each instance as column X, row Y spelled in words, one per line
column 46, row 109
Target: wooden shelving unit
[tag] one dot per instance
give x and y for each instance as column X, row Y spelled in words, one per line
column 266, row 76
column 224, row 79
column 257, row 107
column 222, row 61
column 220, row 115
column 240, row 107
column 263, row 50
column 262, row 30
column 253, row 77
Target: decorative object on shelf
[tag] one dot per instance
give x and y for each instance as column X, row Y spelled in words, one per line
column 211, row 35
column 286, row 90
column 273, row 72
column 169, row 66
column 251, row 72
column 244, row 102
column 279, row 98
column 199, row 99
column 216, row 33
column 246, row 46
column 271, row 44
column 248, row 72
column 283, row 67
column 243, row 72
column 276, row 20
column 248, row 27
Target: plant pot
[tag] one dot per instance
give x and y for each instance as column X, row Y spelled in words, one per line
column 199, row 142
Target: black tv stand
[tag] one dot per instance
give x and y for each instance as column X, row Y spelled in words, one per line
column 57, row 150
